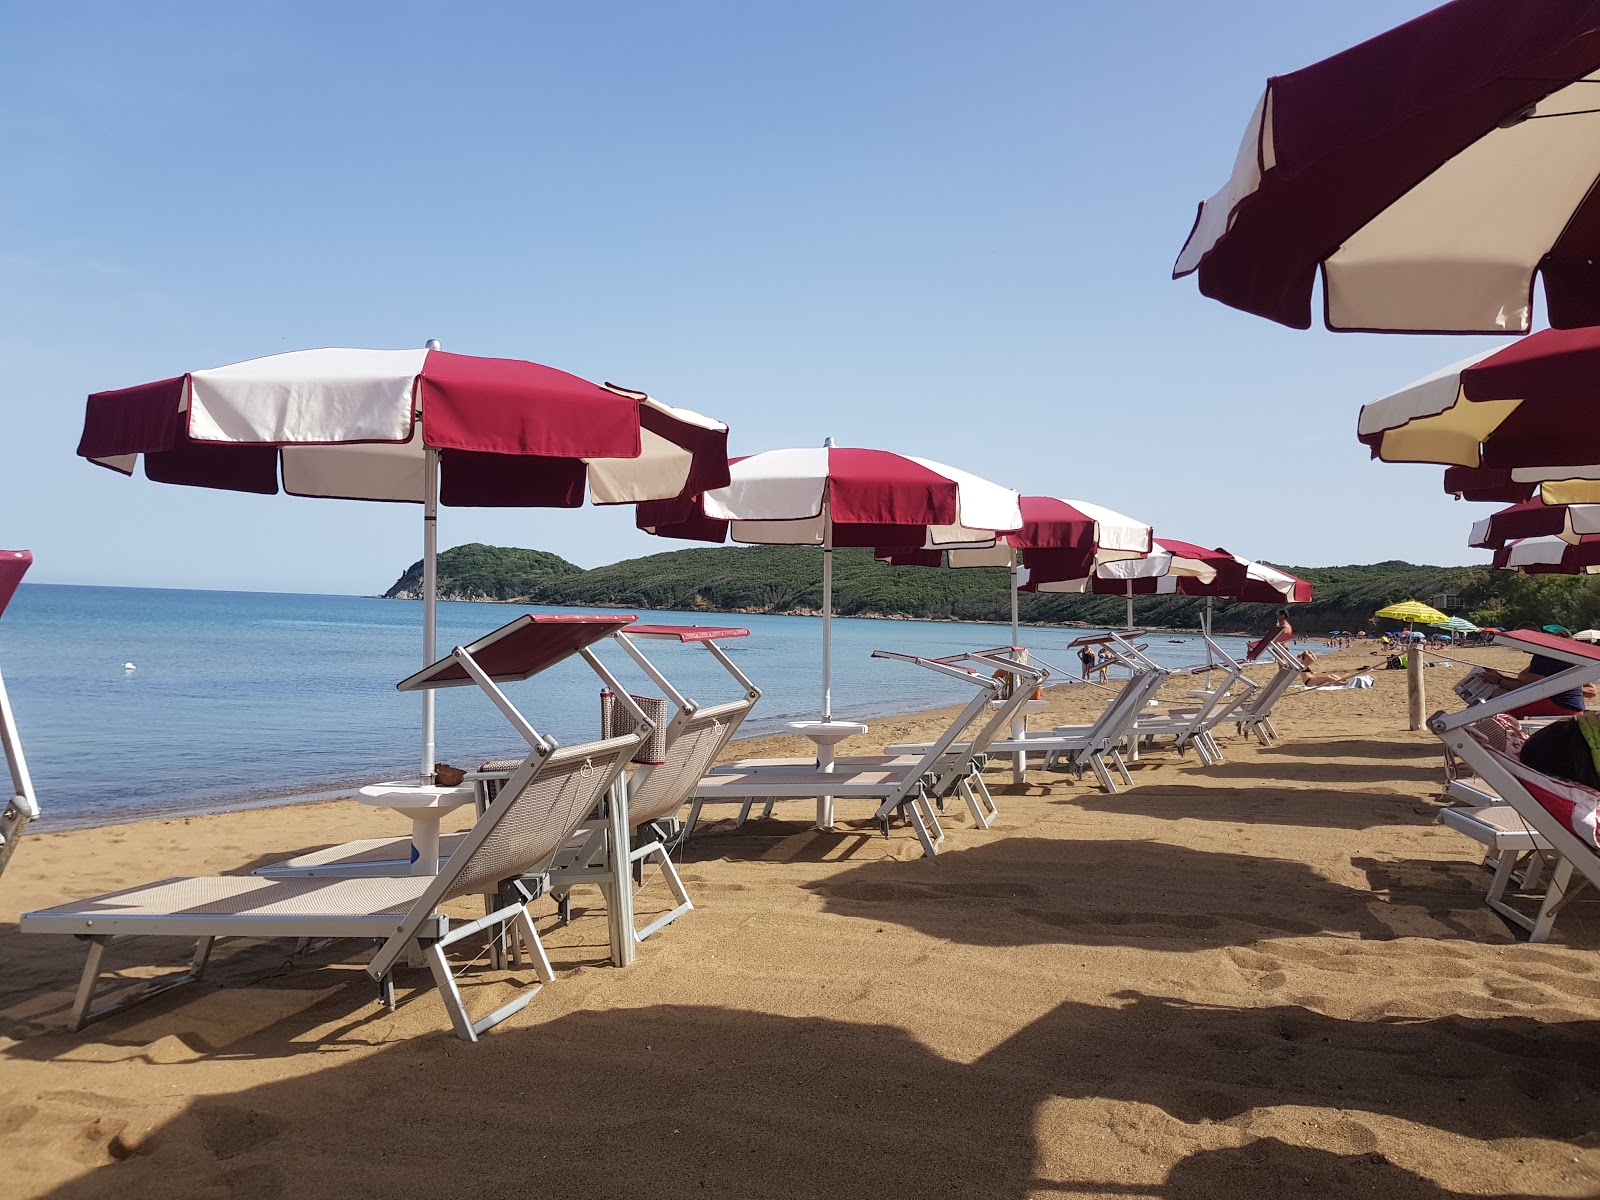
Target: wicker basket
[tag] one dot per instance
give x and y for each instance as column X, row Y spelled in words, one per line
column 617, row 721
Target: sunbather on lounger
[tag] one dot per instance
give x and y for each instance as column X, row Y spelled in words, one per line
column 1567, row 749
column 1312, row 678
column 1563, row 704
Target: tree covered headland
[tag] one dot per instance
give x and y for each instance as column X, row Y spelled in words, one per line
column 788, row 579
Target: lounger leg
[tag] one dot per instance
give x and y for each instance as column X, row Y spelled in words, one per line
column 1122, row 766
column 1554, row 900
column 674, row 884
column 1505, row 862
column 694, row 815
column 986, row 799
column 82, row 1012
column 926, row 824
column 1097, row 763
column 91, row 975
column 465, row 1027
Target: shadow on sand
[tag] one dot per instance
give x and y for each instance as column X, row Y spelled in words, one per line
column 680, row 1101
column 1028, row 891
column 1258, row 806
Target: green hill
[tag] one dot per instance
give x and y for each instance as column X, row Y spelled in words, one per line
column 479, row 572
column 788, row 579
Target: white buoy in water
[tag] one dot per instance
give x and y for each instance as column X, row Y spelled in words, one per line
column 129, row 667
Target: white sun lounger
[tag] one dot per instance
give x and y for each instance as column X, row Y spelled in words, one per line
column 1516, row 852
column 23, row 806
column 1254, row 716
column 1561, row 813
column 607, row 844
column 542, row 803
column 1095, row 746
column 909, row 790
column 959, row 770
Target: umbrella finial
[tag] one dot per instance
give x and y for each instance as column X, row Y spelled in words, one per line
column 433, row 344
column 827, row 443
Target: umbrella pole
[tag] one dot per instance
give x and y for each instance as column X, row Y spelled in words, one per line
column 430, row 597
column 1128, row 619
column 1205, row 628
column 827, row 614
column 1015, row 636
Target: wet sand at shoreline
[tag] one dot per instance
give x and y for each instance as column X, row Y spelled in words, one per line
column 1274, row 976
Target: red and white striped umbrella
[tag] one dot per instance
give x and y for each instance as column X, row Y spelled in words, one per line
column 840, row 496
column 408, row 425
column 1551, row 555
column 1068, row 538
column 1535, row 519
column 1428, row 174
column 1183, row 568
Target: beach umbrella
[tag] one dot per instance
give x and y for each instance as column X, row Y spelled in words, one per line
column 421, row 426
column 1071, row 537
column 1524, row 409
column 1551, row 556
column 1534, row 518
column 833, row 496
column 1428, row 174
column 1458, row 625
column 1412, row 612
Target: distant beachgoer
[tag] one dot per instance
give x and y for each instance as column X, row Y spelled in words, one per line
column 1086, row 657
column 1105, row 660
column 1281, row 631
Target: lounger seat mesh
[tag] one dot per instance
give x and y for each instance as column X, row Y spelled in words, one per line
column 367, row 851
column 252, row 895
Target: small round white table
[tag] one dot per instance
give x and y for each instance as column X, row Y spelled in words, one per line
column 826, row 734
column 426, row 806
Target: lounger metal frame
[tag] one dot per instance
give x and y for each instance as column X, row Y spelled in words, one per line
column 1501, row 772
column 420, row 926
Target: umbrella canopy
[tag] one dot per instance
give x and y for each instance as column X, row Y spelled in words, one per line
column 407, row 425
column 1427, row 173
column 840, row 496
column 1458, row 625
column 1069, row 536
column 1412, row 611
column 1522, row 408
column 1551, row 556
column 1534, row 518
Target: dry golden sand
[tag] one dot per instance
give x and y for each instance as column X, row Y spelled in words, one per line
column 1271, row 977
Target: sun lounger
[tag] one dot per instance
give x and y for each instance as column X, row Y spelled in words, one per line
column 1254, row 717
column 23, row 806
column 959, row 770
column 604, row 848
column 1561, row 813
column 542, row 803
column 911, row 789
column 1098, row 745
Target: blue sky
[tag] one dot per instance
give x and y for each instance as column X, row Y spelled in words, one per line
column 934, row 227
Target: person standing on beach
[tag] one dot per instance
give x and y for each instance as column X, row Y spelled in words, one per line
column 1086, row 657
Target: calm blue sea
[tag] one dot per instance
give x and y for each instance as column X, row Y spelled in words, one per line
column 243, row 697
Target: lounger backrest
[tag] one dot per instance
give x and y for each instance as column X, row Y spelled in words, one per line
column 1563, row 811
column 541, row 811
column 660, row 790
column 1124, row 710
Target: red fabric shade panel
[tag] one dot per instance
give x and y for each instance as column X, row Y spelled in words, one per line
column 508, row 406
column 14, row 565
column 521, row 648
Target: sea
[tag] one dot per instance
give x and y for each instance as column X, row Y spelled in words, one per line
column 135, row 702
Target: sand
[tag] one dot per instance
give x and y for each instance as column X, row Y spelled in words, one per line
column 1272, row 977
